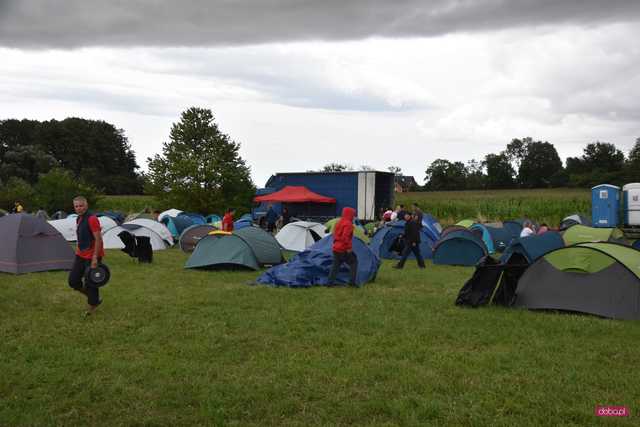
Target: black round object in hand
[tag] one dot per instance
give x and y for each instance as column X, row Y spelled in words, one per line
column 99, row 276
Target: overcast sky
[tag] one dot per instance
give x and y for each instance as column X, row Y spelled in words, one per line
column 304, row 83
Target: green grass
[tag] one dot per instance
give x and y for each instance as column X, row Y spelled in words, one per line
column 544, row 205
column 127, row 204
column 180, row 347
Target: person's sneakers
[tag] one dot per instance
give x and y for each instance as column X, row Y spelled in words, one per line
column 92, row 309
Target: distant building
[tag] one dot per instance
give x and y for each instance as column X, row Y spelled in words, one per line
column 404, row 183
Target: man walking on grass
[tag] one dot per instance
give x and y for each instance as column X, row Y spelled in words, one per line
column 411, row 241
column 342, row 246
column 89, row 252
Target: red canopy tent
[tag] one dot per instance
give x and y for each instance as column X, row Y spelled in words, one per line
column 294, row 194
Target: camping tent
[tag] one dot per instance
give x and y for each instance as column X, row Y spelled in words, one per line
column 30, row 244
column 223, row 251
column 466, row 223
column 358, row 231
column 596, row 278
column 513, row 227
column 117, row 217
column 111, row 240
column 300, row 235
column 483, row 232
column 573, row 220
column 156, row 226
column 581, row 234
column 192, row 235
column 3, row 212
column 386, row 242
column 59, row 215
column 636, row 244
column 177, row 224
column 501, row 237
column 169, row 212
column 459, row 247
column 214, row 220
column 243, row 222
column 196, row 218
column 514, row 261
column 265, row 247
column 67, row 226
column 431, row 226
column 312, row 266
column 294, row 194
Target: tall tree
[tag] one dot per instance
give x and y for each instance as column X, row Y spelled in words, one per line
column 26, row 162
column 516, row 151
column 540, row 166
column 632, row 165
column 200, row 168
column 500, row 173
column 475, row 176
column 445, row 175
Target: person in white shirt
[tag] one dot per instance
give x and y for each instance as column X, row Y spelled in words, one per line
column 527, row 229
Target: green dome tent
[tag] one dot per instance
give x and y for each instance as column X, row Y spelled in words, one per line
column 595, row 278
column 223, row 251
column 582, row 234
column 249, row 247
column 265, row 247
column 466, row 223
column 357, row 231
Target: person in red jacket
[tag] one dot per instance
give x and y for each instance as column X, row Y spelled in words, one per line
column 342, row 246
column 227, row 220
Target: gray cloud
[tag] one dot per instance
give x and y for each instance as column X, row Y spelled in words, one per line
column 79, row 23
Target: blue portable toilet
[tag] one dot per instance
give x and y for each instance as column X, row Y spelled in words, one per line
column 631, row 204
column 605, row 205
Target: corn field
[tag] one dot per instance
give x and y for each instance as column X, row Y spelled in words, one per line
column 549, row 205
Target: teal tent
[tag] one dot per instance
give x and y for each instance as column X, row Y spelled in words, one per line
column 222, row 252
column 249, row 247
column 265, row 247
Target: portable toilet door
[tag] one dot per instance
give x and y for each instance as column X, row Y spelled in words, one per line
column 631, row 204
column 605, row 203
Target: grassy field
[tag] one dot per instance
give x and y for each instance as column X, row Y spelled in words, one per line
column 547, row 205
column 550, row 205
column 177, row 347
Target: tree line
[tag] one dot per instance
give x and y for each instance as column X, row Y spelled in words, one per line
column 526, row 163
column 93, row 151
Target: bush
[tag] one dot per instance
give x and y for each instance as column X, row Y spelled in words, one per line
column 56, row 189
column 16, row 189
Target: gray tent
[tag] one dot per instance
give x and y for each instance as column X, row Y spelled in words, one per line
column 597, row 278
column 193, row 234
column 30, row 244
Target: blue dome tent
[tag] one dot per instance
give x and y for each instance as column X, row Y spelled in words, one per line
column 196, row 218
column 311, row 267
column 483, row 232
column 177, row 224
column 431, row 226
column 459, row 247
column 386, row 244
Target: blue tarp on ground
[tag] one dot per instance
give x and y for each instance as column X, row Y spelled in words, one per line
column 384, row 242
column 311, row 267
column 533, row 247
column 459, row 247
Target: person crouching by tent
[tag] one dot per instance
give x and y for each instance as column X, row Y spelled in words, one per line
column 89, row 252
column 342, row 246
column 412, row 241
column 227, row 220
